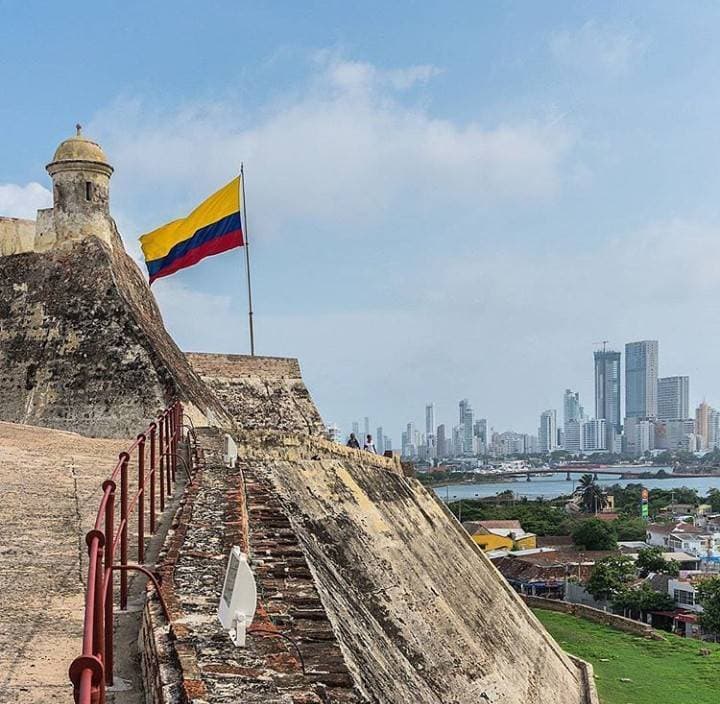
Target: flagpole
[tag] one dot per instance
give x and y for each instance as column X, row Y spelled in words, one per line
column 247, row 262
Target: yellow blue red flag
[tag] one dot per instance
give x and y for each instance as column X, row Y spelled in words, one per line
column 213, row 227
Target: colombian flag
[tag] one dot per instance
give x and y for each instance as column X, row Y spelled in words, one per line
column 213, row 227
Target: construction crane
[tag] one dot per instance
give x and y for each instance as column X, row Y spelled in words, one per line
column 603, row 343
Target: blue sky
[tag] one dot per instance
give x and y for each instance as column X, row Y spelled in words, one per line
column 445, row 199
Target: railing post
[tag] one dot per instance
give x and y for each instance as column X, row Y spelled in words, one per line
column 141, row 499
column 172, row 417
column 99, row 606
column 168, row 488
column 108, row 586
column 161, row 461
column 153, row 429
column 125, row 458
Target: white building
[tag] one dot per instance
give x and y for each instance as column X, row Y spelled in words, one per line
column 594, row 435
column 639, row 436
column 573, row 436
column 547, row 432
column 673, row 394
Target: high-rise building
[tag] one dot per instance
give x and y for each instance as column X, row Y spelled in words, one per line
column 673, row 398
column 594, row 435
column 641, row 379
column 607, row 388
column 430, row 420
column 673, row 434
column 457, row 440
column 388, row 444
column 356, row 428
column 571, row 406
column 480, row 431
column 707, row 422
column 380, row 440
column 430, row 440
column 639, row 435
column 547, row 433
column 573, row 436
column 573, row 414
column 466, row 426
column 367, row 426
column 442, row 443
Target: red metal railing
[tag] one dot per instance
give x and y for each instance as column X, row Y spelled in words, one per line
column 154, row 455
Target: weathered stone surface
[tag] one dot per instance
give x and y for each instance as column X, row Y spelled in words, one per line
column 83, row 346
column 292, row 655
column 49, row 493
column 421, row 613
column 260, row 392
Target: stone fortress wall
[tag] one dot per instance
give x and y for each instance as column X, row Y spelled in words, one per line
column 260, row 392
column 360, row 567
column 16, row 236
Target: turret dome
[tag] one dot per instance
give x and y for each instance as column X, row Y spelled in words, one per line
column 80, row 151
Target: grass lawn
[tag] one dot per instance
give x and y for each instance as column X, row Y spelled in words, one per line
column 661, row 672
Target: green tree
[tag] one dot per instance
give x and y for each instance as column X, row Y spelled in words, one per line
column 714, row 499
column 630, row 528
column 652, row 560
column 610, row 577
column 594, row 534
column 708, row 592
column 641, row 600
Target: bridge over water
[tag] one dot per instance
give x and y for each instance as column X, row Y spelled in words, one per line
column 619, row 472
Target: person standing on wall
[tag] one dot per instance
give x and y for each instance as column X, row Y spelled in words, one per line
column 370, row 445
column 353, row 442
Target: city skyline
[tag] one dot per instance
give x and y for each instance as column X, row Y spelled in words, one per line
column 668, row 398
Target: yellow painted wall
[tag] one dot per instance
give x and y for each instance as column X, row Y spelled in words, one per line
column 526, row 543
column 499, row 542
column 492, row 541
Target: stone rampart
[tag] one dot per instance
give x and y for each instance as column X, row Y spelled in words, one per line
column 422, row 616
column 267, row 444
column 260, row 392
column 620, row 623
column 83, row 346
column 234, row 366
column 16, row 236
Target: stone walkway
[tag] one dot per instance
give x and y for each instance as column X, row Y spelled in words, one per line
column 49, row 493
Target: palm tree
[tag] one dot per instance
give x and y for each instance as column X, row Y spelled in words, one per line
column 593, row 497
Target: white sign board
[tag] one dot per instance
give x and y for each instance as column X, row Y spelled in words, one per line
column 239, row 597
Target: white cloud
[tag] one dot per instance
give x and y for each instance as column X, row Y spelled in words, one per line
column 23, row 201
column 597, row 47
column 509, row 328
column 347, row 147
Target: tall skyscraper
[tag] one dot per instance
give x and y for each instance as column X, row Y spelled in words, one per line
column 430, row 440
column 429, row 420
column 442, row 442
column 607, row 388
column 547, row 433
column 367, row 426
column 571, row 406
column 480, row 431
column 572, row 422
column 707, row 422
column 356, row 428
column 388, row 444
column 466, row 426
column 641, row 379
column 673, row 394
column 380, row 440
